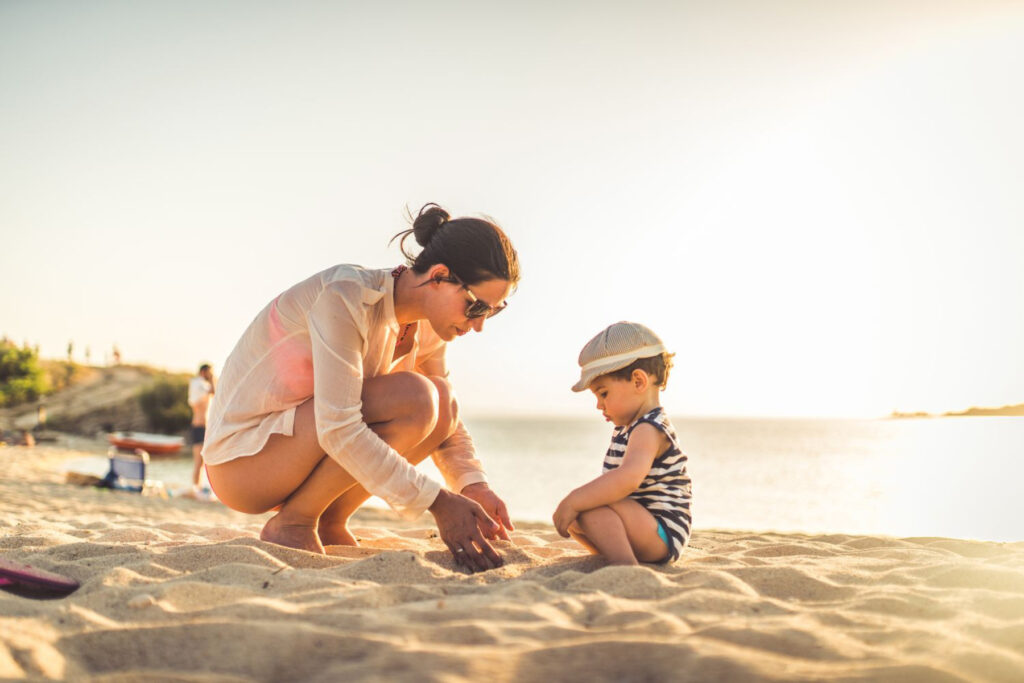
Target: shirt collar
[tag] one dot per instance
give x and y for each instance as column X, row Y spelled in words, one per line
column 389, row 300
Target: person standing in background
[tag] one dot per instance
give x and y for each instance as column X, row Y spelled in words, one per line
column 200, row 393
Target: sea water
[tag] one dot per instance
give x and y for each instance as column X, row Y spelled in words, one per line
column 956, row 477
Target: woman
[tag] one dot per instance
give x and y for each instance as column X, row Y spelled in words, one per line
column 339, row 387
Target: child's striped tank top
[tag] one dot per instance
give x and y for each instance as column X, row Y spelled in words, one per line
column 666, row 491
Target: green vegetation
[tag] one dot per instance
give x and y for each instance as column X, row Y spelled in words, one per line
column 60, row 374
column 21, row 378
column 165, row 403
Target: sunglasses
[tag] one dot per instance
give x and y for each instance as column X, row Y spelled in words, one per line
column 476, row 307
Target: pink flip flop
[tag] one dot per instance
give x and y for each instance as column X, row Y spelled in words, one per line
column 21, row 579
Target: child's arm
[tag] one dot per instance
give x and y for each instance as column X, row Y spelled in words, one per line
column 645, row 442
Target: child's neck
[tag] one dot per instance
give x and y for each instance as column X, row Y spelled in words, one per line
column 651, row 401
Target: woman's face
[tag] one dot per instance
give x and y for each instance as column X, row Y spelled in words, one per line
column 447, row 310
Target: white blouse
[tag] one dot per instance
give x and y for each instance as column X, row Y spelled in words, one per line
column 320, row 338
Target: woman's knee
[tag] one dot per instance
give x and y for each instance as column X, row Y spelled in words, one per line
column 415, row 401
column 447, row 406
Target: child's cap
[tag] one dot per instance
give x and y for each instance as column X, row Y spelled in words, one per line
column 615, row 347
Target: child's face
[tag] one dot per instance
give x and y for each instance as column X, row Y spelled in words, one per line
column 619, row 400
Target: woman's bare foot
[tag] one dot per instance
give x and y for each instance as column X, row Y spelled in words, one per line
column 335, row 533
column 333, row 525
column 300, row 536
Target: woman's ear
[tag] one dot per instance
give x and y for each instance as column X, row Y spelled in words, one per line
column 438, row 273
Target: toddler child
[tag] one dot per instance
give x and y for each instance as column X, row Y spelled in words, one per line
column 639, row 508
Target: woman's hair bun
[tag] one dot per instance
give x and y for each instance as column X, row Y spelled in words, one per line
column 430, row 218
column 473, row 249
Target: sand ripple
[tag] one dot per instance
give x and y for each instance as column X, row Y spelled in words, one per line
column 181, row 590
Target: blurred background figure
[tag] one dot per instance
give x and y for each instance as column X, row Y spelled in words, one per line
column 200, row 393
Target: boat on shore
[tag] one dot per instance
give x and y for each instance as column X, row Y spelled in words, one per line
column 154, row 444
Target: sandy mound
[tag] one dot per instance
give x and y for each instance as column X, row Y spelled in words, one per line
column 180, row 590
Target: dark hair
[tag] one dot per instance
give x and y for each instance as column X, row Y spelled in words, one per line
column 474, row 249
column 204, row 366
column 656, row 366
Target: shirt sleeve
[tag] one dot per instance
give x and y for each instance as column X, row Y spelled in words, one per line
column 337, row 332
column 457, row 462
column 455, row 458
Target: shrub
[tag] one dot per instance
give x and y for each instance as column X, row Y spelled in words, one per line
column 165, row 403
column 21, row 379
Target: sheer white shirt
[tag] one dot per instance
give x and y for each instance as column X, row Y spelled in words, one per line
column 321, row 338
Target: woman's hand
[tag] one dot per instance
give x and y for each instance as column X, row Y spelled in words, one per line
column 459, row 521
column 495, row 509
column 565, row 514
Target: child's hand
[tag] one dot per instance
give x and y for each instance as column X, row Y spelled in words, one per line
column 564, row 515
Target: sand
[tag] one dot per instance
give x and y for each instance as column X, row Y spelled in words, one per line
column 185, row 591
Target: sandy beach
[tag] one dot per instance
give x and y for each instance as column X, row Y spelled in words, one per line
column 183, row 590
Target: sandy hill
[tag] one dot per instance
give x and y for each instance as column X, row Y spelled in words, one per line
column 103, row 398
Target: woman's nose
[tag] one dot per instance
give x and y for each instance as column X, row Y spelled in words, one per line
column 478, row 323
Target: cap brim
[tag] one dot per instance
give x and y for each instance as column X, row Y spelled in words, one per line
column 590, row 374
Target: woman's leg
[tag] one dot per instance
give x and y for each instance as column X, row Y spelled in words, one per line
column 294, row 473
column 333, row 525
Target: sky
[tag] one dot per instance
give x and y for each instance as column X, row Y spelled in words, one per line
column 817, row 206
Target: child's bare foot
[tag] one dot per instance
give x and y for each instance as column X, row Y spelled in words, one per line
column 300, row 536
column 335, row 534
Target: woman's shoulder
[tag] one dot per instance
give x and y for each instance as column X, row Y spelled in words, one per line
column 354, row 282
column 343, row 274
column 357, row 287
column 372, row 278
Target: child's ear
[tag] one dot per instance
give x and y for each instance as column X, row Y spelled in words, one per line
column 640, row 380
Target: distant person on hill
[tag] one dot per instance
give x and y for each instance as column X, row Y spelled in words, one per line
column 339, row 387
column 200, row 393
column 639, row 508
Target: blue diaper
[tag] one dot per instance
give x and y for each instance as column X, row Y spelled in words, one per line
column 663, row 535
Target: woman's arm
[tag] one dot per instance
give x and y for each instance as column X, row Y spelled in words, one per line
column 338, row 331
column 456, row 457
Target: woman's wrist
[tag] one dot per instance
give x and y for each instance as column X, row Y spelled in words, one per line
column 443, row 495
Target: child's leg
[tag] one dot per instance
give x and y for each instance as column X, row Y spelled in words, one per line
column 577, row 533
column 630, row 535
column 641, row 529
column 601, row 530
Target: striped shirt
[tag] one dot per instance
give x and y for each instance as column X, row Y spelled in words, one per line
column 666, row 491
